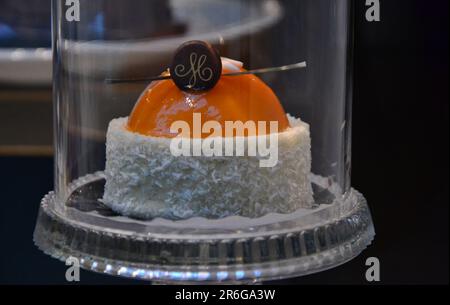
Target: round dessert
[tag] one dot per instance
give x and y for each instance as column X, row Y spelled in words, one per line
column 145, row 179
column 240, row 98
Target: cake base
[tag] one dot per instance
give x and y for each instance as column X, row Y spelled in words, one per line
column 145, row 180
column 231, row 250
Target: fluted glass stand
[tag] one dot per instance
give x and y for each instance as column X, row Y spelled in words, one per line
column 231, row 250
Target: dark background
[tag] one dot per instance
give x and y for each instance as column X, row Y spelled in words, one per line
column 400, row 159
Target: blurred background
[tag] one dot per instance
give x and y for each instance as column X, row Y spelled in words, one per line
column 25, row 78
column 400, row 137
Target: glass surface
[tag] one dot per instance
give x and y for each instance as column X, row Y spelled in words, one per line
column 196, row 219
column 123, row 39
column 198, row 250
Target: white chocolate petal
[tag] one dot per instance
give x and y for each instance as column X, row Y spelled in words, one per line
column 231, row 64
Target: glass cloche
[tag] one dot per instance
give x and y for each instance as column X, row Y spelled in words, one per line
column 203, row 140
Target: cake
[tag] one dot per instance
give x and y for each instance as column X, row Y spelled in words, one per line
column 148, row 176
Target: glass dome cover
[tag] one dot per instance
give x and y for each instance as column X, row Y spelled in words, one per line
column 203, row 140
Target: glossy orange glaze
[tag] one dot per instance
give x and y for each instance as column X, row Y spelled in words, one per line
column 234, row 98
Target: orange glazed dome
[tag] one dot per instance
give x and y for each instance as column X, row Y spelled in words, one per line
column 234, row 98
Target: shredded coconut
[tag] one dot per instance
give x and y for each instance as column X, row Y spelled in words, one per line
column 144, row 180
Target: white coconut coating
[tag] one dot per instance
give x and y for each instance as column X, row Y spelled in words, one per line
column 144, row 180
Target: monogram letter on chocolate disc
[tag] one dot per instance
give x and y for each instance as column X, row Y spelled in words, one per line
column 196, row 66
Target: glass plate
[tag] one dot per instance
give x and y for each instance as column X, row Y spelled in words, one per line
column 230, row 250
